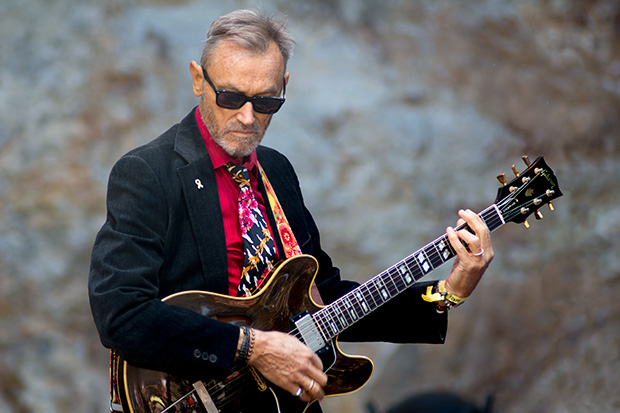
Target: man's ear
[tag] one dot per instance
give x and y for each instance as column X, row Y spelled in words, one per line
column 287, row 75
column 197, row 78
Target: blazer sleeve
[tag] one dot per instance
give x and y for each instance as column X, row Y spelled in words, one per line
column 124, row 281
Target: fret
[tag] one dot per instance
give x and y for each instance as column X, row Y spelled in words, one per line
column 423, row 262
column 335, row 330
column 383, row 292
column 360, row 299
column 344, row 308
column 433, row 257
column 492, row 217
column 390, row 283
column 350, row 307
column 403, row 268
column 397, row 279
column 444, row 249
column 414, row 267
column 368, row 296
column 374, row 292
column 339, row 319
column 322, row 323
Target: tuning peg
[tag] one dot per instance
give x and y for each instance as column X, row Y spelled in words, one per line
column 550, row 193
column 526, row 160
column 515, row 171
column 538, row 214
column 502, row 179
column 526, row 224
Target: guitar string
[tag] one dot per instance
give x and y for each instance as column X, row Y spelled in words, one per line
column 357, row 303
column 394, row 284
column 351, row 301
column 240, row 382
column 236, row 385
column 348, row 307
column 225, row 392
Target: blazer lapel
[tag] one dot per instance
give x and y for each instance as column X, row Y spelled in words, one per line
column 197, row 179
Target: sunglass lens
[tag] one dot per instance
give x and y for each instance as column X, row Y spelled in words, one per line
column 267, row 105
column 230, row 100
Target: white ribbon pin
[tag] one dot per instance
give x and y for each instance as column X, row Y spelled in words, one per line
column 199, row 184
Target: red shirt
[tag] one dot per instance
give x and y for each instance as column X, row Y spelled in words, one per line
column 229, row 192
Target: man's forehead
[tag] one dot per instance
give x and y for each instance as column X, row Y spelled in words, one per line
column 231, row 53
column 238, row 68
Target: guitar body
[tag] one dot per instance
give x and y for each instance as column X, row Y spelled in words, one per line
column 285, row 295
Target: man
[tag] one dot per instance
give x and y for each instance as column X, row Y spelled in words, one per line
column 173, row 226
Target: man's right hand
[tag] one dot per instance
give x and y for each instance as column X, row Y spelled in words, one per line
column 288, row 363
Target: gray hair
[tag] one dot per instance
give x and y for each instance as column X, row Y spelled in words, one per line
column 252, row 30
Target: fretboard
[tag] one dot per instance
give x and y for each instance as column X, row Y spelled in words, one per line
column 347, row 310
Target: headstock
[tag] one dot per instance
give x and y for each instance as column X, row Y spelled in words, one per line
column 531, row 189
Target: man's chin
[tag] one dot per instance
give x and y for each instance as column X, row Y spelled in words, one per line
column 238, row 147
column 240, row 151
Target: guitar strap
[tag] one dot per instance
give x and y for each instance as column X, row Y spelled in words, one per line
column 291, row 248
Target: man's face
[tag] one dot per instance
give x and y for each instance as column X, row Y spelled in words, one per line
column 233, row 68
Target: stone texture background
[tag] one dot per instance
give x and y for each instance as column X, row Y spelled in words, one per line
column 421, row 102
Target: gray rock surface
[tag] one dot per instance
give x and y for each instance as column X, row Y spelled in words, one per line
column 418, row 103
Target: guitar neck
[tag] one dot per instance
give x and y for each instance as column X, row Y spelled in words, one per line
column 347, row 310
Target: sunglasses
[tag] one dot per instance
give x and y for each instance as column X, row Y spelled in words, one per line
column 233, row 100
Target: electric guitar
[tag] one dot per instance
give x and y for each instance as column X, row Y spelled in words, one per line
column 284, row 304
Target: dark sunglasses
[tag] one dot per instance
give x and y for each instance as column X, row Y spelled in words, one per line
column 233, row 100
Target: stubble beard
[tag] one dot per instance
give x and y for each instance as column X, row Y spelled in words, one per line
column 236, row 147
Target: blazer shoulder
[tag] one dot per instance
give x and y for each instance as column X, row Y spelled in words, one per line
column 270, row 158
column 183, row 138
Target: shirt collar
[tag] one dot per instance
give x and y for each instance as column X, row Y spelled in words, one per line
column 218, row 156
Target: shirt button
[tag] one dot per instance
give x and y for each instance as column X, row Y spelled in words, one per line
column 213, row 358
column 205, row 356
column 197, row 353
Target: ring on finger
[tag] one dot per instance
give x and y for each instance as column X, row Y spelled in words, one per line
column 311, row 385
column 299, row 391
column 479, row 253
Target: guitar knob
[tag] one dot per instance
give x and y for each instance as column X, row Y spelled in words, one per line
column 515, row 171
column 526, row 224
column 538, row 214
column 551, row 206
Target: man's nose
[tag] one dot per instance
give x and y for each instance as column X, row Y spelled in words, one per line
column 246, row 114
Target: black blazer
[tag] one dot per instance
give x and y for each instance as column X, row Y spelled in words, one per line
column 164, row 234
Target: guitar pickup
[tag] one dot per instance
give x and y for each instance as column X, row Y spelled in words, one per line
column 309, row 332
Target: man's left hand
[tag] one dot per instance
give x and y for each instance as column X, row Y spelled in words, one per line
column 471, row 261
